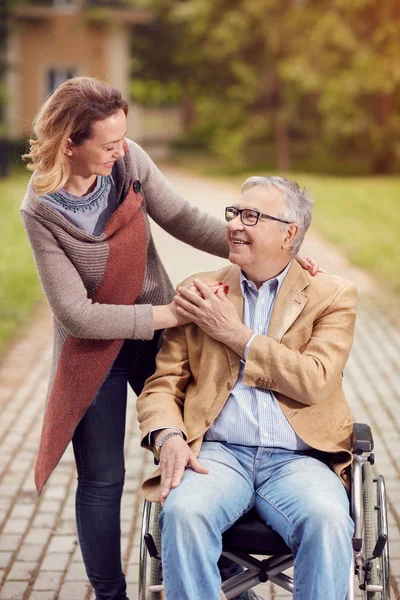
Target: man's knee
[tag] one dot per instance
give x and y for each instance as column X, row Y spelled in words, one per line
column 326, row 519
column 180, row 512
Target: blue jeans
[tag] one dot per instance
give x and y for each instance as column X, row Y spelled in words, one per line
column 98, row 445
column 294, row 493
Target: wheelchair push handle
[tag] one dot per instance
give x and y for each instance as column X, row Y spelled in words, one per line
column 362, row 438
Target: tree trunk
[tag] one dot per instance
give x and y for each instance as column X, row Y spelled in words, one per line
column 188, row 114
column 384, row 158
column 282, row 150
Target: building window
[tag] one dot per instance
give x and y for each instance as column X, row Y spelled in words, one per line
column 57, row 76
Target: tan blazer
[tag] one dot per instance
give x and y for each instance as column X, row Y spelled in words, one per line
column 301, row 360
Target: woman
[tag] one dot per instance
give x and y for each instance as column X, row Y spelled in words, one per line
column 86, row 216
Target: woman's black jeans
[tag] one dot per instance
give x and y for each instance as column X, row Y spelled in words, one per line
column 98, row 445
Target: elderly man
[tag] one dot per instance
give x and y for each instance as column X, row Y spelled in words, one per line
column 246, row 407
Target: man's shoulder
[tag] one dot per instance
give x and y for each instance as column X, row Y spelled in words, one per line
column 219, row 275
column 327, row 284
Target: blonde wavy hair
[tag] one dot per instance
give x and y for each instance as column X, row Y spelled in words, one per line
column 69, row 112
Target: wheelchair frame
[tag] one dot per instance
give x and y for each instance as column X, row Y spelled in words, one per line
column 369, row 571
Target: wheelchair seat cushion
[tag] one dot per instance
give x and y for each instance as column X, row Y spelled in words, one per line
column 252, row 536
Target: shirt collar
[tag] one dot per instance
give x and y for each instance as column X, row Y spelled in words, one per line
column 247, row 284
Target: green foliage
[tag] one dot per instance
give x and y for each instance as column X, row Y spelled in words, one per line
column 361, row 216
column 262, row 71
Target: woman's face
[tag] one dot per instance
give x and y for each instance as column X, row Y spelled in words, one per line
column 98, row 154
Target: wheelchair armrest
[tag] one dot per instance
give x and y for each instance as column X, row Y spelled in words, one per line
column 362, row 438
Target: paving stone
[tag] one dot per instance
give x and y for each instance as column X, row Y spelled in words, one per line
column 55, row 562
column 76, row 572
column 29, row 553
column 9, row 542
column 61, row 543
column 5, row 558
column 37, row 536
column 44, row 521
column 73, row 591
column 48, row 580
column 16, row 526
column 13, row 590
column 43, row 595
column 21, row 571
column 22, row 511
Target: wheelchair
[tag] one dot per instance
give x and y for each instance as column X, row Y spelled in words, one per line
column 249, row 542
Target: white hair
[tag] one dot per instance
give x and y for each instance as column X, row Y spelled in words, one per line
column 297, row 204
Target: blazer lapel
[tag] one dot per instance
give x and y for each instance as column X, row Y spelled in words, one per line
column 235, row 296
column 289, row 303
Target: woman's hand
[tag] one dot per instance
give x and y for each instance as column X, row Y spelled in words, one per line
column 309, row 264
column 214, row 286
column 167, row 315
column 214, row 314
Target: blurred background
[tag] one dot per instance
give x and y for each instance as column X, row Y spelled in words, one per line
column 223, row 88
column 218, row 90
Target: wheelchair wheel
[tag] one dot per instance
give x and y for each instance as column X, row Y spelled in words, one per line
column 150, row 571
column 376, row 573
column 155, row 564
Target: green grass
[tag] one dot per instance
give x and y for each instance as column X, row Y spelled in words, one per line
column 361, row 216
column 19, row 286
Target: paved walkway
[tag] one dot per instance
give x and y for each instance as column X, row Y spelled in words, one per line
column 39, row 556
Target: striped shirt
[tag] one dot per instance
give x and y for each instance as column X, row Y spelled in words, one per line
column 251, row 415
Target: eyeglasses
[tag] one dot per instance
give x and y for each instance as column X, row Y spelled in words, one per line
column 248, row 216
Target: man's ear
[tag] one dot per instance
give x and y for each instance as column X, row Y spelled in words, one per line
column 68, row 147
column 290, row 236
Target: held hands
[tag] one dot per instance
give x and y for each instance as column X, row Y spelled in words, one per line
column 177, row 318
column 175, row 456
column 214, row 314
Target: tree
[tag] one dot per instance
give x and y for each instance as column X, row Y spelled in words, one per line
column 350, row 66
column 321, row 71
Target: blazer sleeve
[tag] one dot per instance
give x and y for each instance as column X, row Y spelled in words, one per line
column 162, row 400
column 68, row 297
column 308, row 374
column 173, row 213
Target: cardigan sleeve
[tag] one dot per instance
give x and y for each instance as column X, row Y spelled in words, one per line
column 173, row 213
column 68, row 297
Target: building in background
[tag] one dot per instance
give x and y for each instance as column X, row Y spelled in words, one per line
column 51, row 41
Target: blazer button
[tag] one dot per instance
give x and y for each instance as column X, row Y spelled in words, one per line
column 207, row 423
column 259, row 382
column 229, row 385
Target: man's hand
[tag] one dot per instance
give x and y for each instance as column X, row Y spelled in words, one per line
column 175, row 456
column 215, row 314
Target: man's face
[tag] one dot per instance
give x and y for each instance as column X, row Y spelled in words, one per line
column 251, row 247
